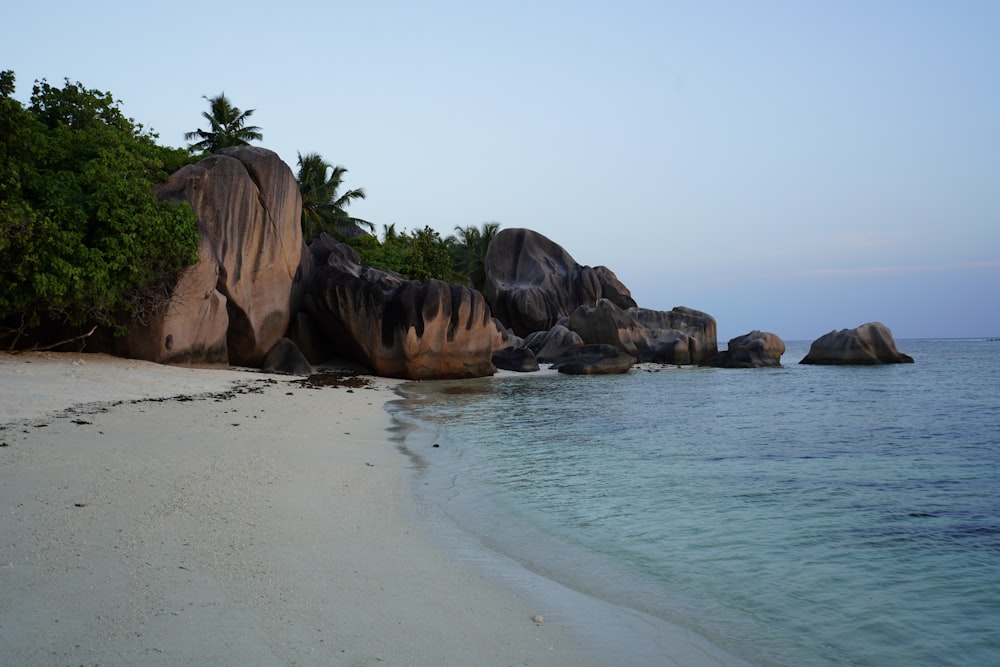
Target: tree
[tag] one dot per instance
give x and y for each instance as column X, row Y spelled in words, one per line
column 468, row 250
column 323, row 208
column 227, row 127
column 418, row 255
column 83, row 238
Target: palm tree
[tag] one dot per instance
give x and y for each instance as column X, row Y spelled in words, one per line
column 323, row 209
column 468, row 249
column 227, row 127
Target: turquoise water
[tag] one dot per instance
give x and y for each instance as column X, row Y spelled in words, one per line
column 803, row 515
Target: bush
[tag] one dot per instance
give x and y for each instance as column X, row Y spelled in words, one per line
column 83, row 238
column 418, row 255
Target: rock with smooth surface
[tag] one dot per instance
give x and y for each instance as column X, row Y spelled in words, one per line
column 519, row 359
column 402, row 328
column 549, row 345
column 506, row 338
column 680, row 336
column 532, row 283
column 867, row 345
column 756, row 349
column 236, row 302
column 594, row 360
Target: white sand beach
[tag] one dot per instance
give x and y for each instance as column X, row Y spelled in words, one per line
column 247, row 520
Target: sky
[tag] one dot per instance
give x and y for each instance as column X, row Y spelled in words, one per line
column 794, row 167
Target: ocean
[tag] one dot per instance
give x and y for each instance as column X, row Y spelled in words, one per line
column 801, row 515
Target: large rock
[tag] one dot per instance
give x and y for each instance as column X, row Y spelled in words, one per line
column 532, row 283
column 866, row 345
column 235, row 303
column 593, row 360
column 548, row 345
column 192, row 328
column 507, row 338
column 402, row 328
column 680, row 336
column 753, row 350
column 519, row 359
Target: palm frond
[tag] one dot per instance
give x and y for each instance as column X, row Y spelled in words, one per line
column 227, row 125
column 322, row 208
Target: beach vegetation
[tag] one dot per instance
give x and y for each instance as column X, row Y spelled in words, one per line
column 418, row 255
column 83, row 238
column 324, row 207
column 468, row 248
column 422, row 254
column 227, row 126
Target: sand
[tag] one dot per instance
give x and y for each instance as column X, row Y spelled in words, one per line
column 227, row 517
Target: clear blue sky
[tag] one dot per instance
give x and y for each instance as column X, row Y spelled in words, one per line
column 794, row 167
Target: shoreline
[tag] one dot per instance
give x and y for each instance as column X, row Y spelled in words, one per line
column 166, row 515
column 610, row 624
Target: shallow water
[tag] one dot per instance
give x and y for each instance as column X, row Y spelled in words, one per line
column 803, row 515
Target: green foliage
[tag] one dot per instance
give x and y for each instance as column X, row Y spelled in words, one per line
column 418, row 255
column 323, row 208
column 227, row 127
column 422, row 254
column 82, row 236
column 468, row 250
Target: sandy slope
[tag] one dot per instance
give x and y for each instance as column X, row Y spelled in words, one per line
column 269, row 526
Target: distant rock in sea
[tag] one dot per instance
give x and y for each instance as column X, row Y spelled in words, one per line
column 866, row 345
column 753, row 350
column 680, row 336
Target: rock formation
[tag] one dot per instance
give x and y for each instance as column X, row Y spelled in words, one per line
column 507, row 337
column 752, row 350
column 547, row 345
column 286, row 358
column 594, row 360
column 519, row 359
column 868, row 344
column 679, row 336
column 236, row 302
column 531, row 282
column 402, row 328
column 256, row 283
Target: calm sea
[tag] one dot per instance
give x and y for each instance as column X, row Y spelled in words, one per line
column 802, row 515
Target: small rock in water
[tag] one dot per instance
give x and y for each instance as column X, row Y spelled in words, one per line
column 538, row 619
